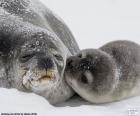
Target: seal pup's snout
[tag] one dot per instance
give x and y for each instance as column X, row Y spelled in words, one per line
column 70, row 62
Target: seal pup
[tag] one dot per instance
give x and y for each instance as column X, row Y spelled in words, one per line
column 34, row 46
column 107, row 74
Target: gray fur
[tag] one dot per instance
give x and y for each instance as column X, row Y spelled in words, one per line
column 34, row 45
column 107, row 74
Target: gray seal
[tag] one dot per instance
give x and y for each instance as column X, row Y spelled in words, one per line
column 107, row 74
column 34, row 46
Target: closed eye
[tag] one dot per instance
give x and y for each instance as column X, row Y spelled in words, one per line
column 84, row 79
column 87, row 78
column 25, row 57
column 58, row 57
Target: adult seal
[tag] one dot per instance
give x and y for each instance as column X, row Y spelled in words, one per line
column 34, row 46
column 107, row 74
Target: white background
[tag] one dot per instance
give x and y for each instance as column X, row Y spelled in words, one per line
column 96, row 22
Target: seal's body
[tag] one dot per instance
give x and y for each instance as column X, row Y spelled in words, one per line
column 107, row 74
column 34, row 45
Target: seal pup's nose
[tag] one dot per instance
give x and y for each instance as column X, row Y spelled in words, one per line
column 70, row 62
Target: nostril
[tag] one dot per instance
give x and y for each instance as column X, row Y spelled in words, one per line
column 70, row 63
column 46, row 63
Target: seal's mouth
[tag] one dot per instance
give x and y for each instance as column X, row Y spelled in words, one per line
column 50, row 74
column 39, row 78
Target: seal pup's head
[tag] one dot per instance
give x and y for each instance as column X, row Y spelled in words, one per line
column 92, row 74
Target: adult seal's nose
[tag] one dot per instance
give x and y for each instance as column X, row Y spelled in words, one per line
column 45, row 62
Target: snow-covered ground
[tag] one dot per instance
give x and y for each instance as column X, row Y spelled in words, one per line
column 13, row 101
column 93, row 23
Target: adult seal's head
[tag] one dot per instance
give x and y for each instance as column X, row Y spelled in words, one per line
column 91, row 74
column 35, row 61
column 34, row 46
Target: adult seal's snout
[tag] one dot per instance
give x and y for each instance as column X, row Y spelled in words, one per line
column 45, row 63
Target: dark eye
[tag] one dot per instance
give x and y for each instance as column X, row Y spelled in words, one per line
column 84, row 79
column 25, row 57
column 58, row 57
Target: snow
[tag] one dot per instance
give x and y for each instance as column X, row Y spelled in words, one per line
column 13, row 101
column 93, row 23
